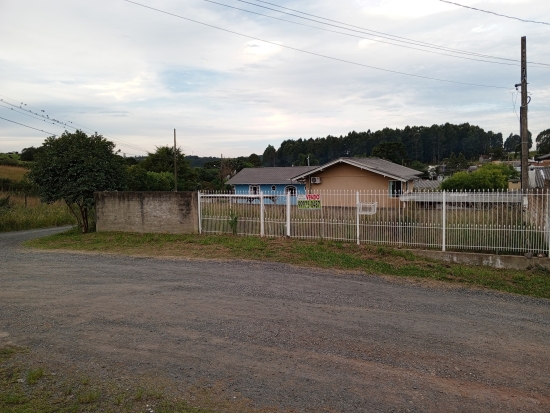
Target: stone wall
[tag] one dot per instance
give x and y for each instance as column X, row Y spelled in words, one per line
column 161, row 212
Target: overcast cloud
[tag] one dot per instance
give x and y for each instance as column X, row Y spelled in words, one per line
column 134, row 74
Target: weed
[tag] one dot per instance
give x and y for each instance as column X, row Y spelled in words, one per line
column 13, row 398
column 34, row 375
column 233, row 222
column 85, row 381
column 89, row 397
column 139, row 394
column 154, row 394
column 120, row 399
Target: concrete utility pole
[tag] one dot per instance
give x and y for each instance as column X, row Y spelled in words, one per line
column 523, row 118
column 175, row 165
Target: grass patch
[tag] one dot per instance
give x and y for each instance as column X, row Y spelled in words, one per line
column 321, row 254
column 34, row 375
column 30, row 213
column 15, row 173
column 66, row 393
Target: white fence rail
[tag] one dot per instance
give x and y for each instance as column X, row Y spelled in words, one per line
column 509, row 222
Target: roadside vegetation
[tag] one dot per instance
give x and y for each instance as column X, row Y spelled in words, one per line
column 20, row 209
column 18, row 212
column 28, row 384
column 320, row 254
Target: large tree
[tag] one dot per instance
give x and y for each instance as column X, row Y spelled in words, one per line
column 74, row 166
column 543, row 142
column 162, row 161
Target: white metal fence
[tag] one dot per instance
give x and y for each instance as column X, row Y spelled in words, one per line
column 509, row 222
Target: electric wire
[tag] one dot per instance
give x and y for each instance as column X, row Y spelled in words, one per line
column 492, row 12
column 314, row 53
column 20, row 109
column 360, row 37
column 46, row 118
column 382, row 34
column 27, row 126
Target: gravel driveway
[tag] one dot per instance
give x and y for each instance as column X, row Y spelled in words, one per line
column 295, row 338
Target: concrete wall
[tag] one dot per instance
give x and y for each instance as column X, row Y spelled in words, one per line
column 162, row 212
column 490, row 260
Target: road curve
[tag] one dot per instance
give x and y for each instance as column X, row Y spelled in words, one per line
column 295, row 338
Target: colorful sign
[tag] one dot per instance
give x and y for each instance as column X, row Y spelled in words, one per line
column 310, row 201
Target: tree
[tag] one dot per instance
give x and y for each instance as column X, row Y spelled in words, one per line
column 28, row 154
column 270, row 156
column 543, row 142
column 74, row 166
column 255, row 160
column 392, row 151
column 162, row 160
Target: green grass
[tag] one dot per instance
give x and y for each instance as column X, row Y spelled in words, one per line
column 64, row 393
column 35, row 214
column 319, row 254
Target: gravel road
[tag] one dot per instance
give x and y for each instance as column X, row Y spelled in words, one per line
column 280, row 335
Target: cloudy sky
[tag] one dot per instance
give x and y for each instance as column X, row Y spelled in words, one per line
column 134, row 74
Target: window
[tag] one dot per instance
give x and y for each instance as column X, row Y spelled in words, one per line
column 254, row 189
column 290, row 190
column 274, row 188
column 395, row 189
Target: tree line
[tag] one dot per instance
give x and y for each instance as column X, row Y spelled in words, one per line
column 428, row 145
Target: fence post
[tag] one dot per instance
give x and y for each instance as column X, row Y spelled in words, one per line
column 262, row 215
column 546, row 223
column 444, row 223
column 357, row 214
column 200, row 213
column 288, row 214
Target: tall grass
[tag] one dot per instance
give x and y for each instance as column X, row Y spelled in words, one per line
column 15, row 173
column 23, row 214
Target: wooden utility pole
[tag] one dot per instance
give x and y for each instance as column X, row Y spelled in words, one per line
column 523, row 118
column 175, row 165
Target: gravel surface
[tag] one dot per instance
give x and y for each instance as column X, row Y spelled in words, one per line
column 280, row 335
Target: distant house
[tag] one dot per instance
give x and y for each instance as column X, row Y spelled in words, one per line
column 360, row 174
column 274, row 181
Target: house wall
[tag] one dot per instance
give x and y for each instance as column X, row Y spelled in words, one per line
column 161, row 212
column 278, row 195
column 345, row 177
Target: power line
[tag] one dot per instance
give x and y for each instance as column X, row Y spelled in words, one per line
column 47, row 118
column 492, row 12
column 27, row 126
column 20, row 109
column 381, row 34
column 316, row 54
column 359, row 37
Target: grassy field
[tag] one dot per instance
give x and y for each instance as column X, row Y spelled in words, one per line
column 29, row 385
column 15, row 173
column 35, row 214
column 319, row 254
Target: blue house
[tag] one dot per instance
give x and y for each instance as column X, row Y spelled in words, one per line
column 275, row 182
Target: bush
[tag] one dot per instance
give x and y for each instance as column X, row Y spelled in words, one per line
column 488, row 177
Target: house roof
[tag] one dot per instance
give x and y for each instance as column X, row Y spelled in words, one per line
column 537, row 176
column 426, row 184
column 376, row 165
column 269, row 176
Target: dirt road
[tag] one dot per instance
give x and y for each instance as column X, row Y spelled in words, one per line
column 280, row 335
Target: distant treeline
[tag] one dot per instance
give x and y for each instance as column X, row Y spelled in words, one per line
column 424, row 144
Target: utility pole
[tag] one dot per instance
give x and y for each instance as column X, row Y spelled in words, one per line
column 524, row 131
column 175, row 164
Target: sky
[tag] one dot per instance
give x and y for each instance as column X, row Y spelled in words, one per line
column 134, row 74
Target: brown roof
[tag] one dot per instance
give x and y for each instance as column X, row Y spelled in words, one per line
column 376, row 165
column 270, row 176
